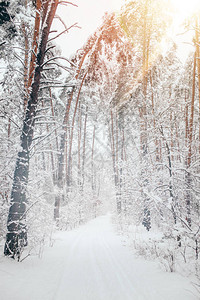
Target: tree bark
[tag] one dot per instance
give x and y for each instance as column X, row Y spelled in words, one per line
column 79, row 123
column 30, row 72
column 197, row 28
column 63, row 143
column 84, row 144
column 26, row 44
column 188, row 179
column 59, row 180
column 16, row 238
column 72, row 134
column 92, row 161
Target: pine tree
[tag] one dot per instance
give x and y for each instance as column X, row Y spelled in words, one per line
column 16, row 238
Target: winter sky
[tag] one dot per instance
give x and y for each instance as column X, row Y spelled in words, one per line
column 88, row 15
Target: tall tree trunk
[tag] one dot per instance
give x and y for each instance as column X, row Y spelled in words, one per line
column 53, row 115
column 84, row 147
column 16, row 237
column 143, row 117
column 154, row 119
column 115, row 160
column 59, row 180
column 63, row 144
column 92, row 160
column 186, row 117
column 26, row 44
column 79, row 123
column 188, row 179
column 197, row 28
column 113, row 148
column 72, row 134
column 35, row 43
column 173, row 201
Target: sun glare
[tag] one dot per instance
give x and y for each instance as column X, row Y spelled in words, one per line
column 185, row 8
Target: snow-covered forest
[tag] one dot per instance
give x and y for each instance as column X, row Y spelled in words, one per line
column 110, row 134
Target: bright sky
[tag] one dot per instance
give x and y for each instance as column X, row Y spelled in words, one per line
column 88, row 15
column 183, row 37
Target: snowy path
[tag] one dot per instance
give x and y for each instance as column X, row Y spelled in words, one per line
column 90, row 263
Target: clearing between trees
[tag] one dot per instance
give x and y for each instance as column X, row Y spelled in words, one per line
column 90, row 263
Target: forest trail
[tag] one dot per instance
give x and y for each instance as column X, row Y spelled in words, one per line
column 90, row 263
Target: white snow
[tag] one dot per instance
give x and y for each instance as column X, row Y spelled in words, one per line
column 90, row 263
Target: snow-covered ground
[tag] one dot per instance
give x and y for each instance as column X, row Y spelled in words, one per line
column 90, row 263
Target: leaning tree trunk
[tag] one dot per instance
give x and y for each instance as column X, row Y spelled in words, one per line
column 16, row 237
column 63, row 142
column 69, row 165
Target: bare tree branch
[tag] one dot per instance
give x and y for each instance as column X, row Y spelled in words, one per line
column 66, row 3
column 66, row 30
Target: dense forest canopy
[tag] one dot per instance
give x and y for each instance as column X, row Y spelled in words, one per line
column 115, row 127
